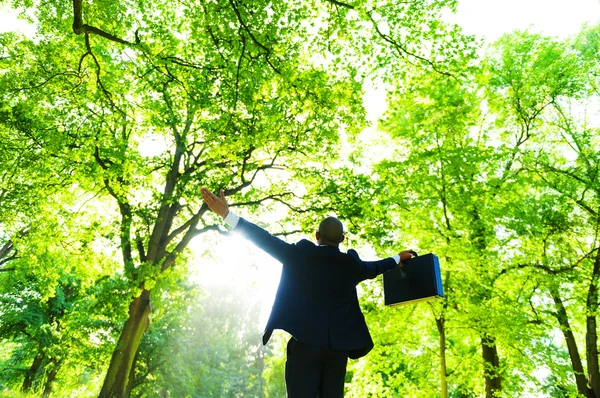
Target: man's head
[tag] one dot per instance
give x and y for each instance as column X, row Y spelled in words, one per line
column 331, row 232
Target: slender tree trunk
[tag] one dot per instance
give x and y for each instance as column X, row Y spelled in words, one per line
column 51, row 377
column 441, row 326
column 117, row 377
column 32, row 372
column 440, row 322
column 565, row 327
column 491, row 366
column 591, row 335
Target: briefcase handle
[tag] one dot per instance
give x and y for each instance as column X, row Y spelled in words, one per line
column 401, row 271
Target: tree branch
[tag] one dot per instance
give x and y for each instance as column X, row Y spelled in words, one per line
column 6, row 249
column 341, row 4
column 402, row 50
column 166, row 212
column 192, row 221
column 191, row 233
column 80, row 28
column 107, row 93
column 254, row 39
column 8, row 258
column 550, row 270
column 274, row 197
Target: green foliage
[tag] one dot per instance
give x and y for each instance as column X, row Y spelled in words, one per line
column 52, row 328
column 115, row 114
column 495, row 175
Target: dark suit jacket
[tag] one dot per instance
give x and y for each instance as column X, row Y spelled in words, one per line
column 316, row 301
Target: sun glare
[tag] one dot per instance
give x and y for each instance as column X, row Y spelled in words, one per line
column 152, row 145
column 233, row 263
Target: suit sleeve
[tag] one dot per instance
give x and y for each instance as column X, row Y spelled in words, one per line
column 373, row 268
column 277, row 248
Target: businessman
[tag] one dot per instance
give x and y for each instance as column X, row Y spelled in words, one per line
column 316, row 302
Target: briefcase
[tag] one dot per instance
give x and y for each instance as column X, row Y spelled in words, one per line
column 419, row 279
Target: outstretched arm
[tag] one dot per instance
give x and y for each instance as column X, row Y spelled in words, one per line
column 374, row 268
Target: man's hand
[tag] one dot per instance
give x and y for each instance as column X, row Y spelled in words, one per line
column 406, row 254
column 217, row 204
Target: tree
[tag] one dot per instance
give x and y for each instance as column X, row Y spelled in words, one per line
column 29, row 178
column 559, row 77
column 47, row 312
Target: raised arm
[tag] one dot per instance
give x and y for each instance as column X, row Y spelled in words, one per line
column 277, row 248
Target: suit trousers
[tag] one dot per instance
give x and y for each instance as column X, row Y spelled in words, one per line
column 312, row 372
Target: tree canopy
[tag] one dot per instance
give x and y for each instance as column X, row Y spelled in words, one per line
column 113, row 115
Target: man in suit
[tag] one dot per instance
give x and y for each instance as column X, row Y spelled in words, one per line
column 316, row 302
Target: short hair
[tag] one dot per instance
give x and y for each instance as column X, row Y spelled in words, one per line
column 331, row 230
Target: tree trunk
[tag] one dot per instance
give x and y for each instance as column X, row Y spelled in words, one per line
column 51, row 377
column 491, row 366
column 32, row 372
column 441, row 326
column 117, row 377
column 132, row 382
column 591, row 335
column 565, row 327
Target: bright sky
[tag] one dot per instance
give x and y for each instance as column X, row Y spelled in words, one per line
column 235, row 262
column 492, row 18
column 9, row 21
